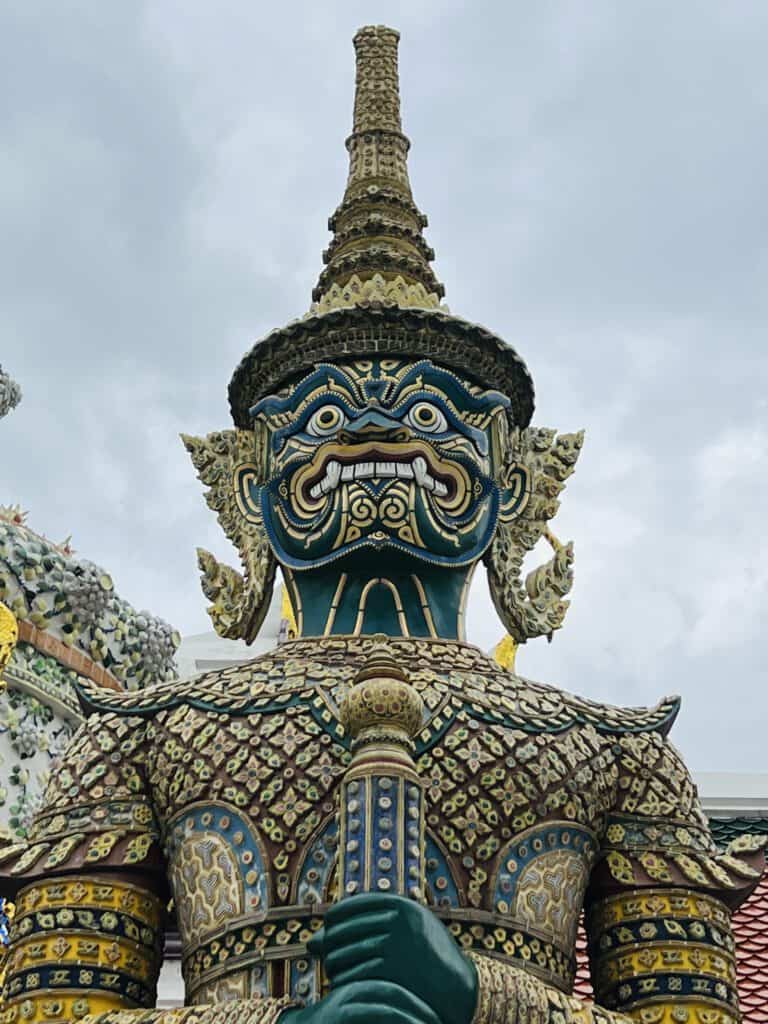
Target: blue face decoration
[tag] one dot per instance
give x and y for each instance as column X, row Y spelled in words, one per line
column 382, row 455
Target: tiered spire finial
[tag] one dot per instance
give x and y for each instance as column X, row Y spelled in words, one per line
column 378, row 252
column 377, row 294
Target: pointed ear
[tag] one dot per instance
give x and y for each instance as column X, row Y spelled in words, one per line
column 531, row 483
column 239, row 602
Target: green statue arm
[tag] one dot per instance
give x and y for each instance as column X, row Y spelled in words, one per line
column 80, row 944
column 88, row 949
column 90, row 891
column 658, row 909
column 373, row 937
column 89, row 885
column 655, row 950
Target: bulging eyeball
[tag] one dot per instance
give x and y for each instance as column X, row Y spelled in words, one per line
column 427, row 418
column 326, row 421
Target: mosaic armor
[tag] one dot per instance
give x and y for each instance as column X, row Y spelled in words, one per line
column 538, row 804
column 376, row 815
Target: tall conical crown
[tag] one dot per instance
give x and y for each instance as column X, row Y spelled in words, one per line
column 378, row 295
column 378, row 251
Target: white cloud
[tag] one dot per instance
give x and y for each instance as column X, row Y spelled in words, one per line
column 596, row 195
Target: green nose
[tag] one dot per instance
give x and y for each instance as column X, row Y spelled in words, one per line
column 373, row 424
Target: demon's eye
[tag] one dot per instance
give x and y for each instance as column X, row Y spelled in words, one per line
column 427, row 418
column 326, row 420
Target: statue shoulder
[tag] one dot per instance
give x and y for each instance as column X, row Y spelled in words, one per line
column 241, row 687
column 613, row 719
column 96, row 809
column 538, row 707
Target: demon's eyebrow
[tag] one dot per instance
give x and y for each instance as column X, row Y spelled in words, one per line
column 454, row 388
column 324, row 374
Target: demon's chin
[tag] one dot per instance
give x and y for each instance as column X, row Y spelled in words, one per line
column 339, row 538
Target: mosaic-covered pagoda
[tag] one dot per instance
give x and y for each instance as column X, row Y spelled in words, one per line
column 376, row 822
column 68, row 625
column 61, row 623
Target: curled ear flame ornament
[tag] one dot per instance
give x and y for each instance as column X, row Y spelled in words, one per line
column 239, row 602
column 535, row 606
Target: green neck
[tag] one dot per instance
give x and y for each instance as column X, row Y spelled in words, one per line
column 411, row 600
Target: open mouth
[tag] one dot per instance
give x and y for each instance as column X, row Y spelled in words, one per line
column 414, row 469
column 379, row 460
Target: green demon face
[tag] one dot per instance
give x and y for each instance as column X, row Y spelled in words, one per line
column 380, row 455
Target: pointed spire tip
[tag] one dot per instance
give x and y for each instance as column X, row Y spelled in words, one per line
column 378, row 246
column 377, row 81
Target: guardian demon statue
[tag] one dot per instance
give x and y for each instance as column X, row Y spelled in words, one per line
column 376, row 822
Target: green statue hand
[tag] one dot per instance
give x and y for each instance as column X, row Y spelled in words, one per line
column 365, row 1002
column 380, row 937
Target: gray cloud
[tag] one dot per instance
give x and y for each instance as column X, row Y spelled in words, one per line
column 594, row 177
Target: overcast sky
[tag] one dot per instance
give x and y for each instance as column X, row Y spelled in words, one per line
column 595, row 178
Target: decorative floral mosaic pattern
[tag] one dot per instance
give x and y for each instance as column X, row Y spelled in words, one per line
column 229, row 783
column 74, row 600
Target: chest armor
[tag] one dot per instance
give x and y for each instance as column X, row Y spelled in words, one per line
column 245, row 780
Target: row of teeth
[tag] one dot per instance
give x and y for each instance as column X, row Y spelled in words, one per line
column 417, row 470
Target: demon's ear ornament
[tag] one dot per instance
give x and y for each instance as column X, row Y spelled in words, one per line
column 540, row 461
column 225, row 461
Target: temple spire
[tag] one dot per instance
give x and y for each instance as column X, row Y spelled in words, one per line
column 377, row 82
column 378, row 252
